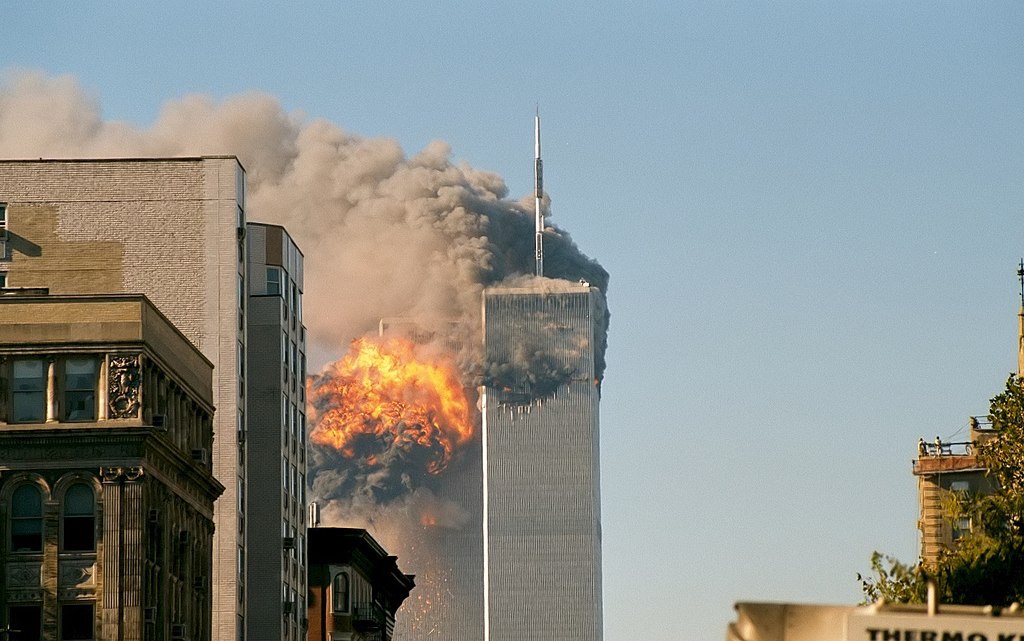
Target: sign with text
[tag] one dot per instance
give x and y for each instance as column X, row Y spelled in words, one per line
column 890, row 626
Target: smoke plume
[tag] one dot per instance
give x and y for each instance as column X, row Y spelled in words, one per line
column 385, row 235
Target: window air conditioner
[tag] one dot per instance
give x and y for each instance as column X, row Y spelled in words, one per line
column 289, row 607
column 154, row 516
column 288, row 542
column 199, row 583
column 201, row 456
column 178, row 631
column 160, row 421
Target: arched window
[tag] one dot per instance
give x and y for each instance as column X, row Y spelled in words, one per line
column 340, row 590
column 27, row 519
column 78, row 530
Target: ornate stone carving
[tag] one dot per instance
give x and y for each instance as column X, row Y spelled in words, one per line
column 111, row 474
column 23, row 575
column 132, row 474
column 77, row 574
column 124, row 380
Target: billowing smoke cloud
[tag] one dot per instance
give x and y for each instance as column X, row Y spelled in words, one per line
column 385, row 235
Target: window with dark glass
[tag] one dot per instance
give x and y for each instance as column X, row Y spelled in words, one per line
column 273, row 280
column 24, row 622
column 77, row 622
column 341, row 592
column 78, row 530
column 27, row 519
column 80, row 379
column 28, row 391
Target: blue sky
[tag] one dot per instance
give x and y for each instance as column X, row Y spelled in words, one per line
column 811, row 213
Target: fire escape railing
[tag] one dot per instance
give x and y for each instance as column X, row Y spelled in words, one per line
column 368, row 616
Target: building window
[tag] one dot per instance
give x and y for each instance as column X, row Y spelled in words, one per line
column 960, row 487
column 3, row 278
column 24, row 622
column 27, row 519
column 77, row 622
column 28, row 395
column 340, row 592
column 961, row 527
column 80, row 380
column 79, row 520
column 274, row 280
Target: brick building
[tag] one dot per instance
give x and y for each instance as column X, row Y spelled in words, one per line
column 106, row 487
column 172, row 229
column 355, row 588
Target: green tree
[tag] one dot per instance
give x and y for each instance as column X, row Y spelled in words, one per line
column 987, row 564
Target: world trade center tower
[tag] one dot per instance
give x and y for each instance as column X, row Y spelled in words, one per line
column 542, row 526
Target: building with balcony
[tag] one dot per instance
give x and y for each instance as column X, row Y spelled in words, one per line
column 946, row 473
column 276, row 436
column 355, row 587
column 106, row 484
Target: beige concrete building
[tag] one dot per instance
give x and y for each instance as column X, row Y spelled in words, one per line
column 106, row 487
column 276, row 438
column 946, row 473
column 173, row 230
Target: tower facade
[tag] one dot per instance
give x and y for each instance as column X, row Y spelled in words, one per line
column 542, row 524
column 276, row 437
column 172, row 229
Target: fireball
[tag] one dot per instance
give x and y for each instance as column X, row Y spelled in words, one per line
column 384, row 400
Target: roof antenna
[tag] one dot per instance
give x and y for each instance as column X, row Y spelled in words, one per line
column 538, row 175
column 1020, row 322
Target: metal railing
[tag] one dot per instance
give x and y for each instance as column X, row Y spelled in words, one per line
column 944, row 448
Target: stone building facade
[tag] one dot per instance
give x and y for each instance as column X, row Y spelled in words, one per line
column 106, row 485
column 172, row 229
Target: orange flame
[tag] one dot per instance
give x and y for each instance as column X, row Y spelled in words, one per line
column 386, row 391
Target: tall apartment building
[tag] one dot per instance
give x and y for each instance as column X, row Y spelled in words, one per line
column 172, row 229
column 276, row 437
column 542, row 529
column 106, row 487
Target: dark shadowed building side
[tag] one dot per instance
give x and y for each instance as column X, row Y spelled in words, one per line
column 355, row 587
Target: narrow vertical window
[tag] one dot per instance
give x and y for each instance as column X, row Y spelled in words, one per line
column 341, row 592
column 80, row 379
column 28, row 396
column 27, row 519
column 274, row 280
column 78, row 529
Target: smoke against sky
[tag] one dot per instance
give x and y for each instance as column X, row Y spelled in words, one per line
column 414, row 239
column 383, row 234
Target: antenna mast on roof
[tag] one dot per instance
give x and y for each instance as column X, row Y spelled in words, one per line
column 538, row 174
column 1020, row 322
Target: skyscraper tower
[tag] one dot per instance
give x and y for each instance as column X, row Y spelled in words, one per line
column 542, row 532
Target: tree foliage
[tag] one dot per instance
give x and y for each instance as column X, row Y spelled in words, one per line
column 987, row 564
